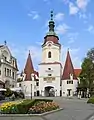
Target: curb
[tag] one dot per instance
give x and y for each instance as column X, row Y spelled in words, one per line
column 89, row 117
column 30, row 115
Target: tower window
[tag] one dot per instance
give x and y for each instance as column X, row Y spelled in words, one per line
column 49, row 54
column 5, row 58
column 13, row 75
column 49, row 74
column 5, row 71
column 49, row 68
column 37, row 83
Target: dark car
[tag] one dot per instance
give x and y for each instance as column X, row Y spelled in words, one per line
column 2, row 97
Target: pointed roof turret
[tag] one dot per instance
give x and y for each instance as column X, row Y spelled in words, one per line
column 68, row 68
column 51, row 35
column 29, row 69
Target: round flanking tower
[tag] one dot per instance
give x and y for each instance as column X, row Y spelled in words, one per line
column 50, row 68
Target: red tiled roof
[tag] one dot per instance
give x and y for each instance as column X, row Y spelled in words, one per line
column 29, row 69
column 16, row 64
column 68, row 68
column 54, row 39
column 77, row 72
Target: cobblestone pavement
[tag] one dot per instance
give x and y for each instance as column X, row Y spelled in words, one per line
column 74, row 109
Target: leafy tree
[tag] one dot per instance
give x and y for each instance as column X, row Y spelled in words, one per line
column 90, row 54
column 87, row 73
column 19, row 80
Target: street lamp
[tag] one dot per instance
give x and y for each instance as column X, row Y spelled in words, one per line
column 31, row 91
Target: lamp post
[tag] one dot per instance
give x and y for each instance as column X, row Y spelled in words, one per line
column 31, row 91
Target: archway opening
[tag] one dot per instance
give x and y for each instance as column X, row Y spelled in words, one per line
column 49, row 91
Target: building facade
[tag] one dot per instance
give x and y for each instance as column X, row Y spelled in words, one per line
column 52, row 78
column 8, row 68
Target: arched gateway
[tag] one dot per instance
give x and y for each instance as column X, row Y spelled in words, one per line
column 49, row 91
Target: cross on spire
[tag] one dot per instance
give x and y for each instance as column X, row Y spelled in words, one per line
column 29, row 51
column 51, row 23
column 51, row 15
column 5, row 42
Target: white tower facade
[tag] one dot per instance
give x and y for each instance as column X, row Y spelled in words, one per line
column 50, row 68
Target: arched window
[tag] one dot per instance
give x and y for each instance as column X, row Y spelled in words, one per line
column 49, row 54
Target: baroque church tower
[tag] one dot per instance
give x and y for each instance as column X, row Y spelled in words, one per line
column 50, row 68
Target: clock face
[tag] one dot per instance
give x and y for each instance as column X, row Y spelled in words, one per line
column 49, row 44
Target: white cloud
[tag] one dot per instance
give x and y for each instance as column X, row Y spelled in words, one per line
column 79, row 6
column 62, row 29
column 59, row 16
column 90, row 29
column 34, row 15
column 71, row 41
column 72, row 37
column 21, row 53
column 82, row 4
column 82, row 15
column 47, row 1
column 66, row 1
column 73, row 9
column 39, row 43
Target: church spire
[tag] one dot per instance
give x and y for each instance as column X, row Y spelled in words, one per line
column 68, row 68
column 51, row 23
column 29, row 69
column 51, row 35
column 51, row 15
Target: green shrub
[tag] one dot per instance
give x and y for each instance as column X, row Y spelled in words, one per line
column 21, row 107
column 8, row 92
column 26, row 104
column 91, row 100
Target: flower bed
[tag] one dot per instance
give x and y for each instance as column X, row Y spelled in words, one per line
column 42, row 107
column 9, row 107
column 35, row 106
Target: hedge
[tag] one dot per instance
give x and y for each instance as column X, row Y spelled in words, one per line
column 23, row 107
column 91, row 100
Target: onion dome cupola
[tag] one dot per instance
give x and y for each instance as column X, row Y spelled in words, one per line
column 51, row 35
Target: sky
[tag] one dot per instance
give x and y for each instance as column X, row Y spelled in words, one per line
column 24, row 23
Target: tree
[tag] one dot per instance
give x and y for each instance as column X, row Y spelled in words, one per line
column 90, row 54
column 87, row 73
column 19, row 79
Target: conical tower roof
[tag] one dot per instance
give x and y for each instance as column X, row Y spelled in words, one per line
column 68, row 68
column 29, row 69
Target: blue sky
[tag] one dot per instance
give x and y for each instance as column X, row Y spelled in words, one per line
column 24, row 23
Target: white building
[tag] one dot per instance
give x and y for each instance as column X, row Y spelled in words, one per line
column 29, row 79
column 8, row 67
column 50, row 80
